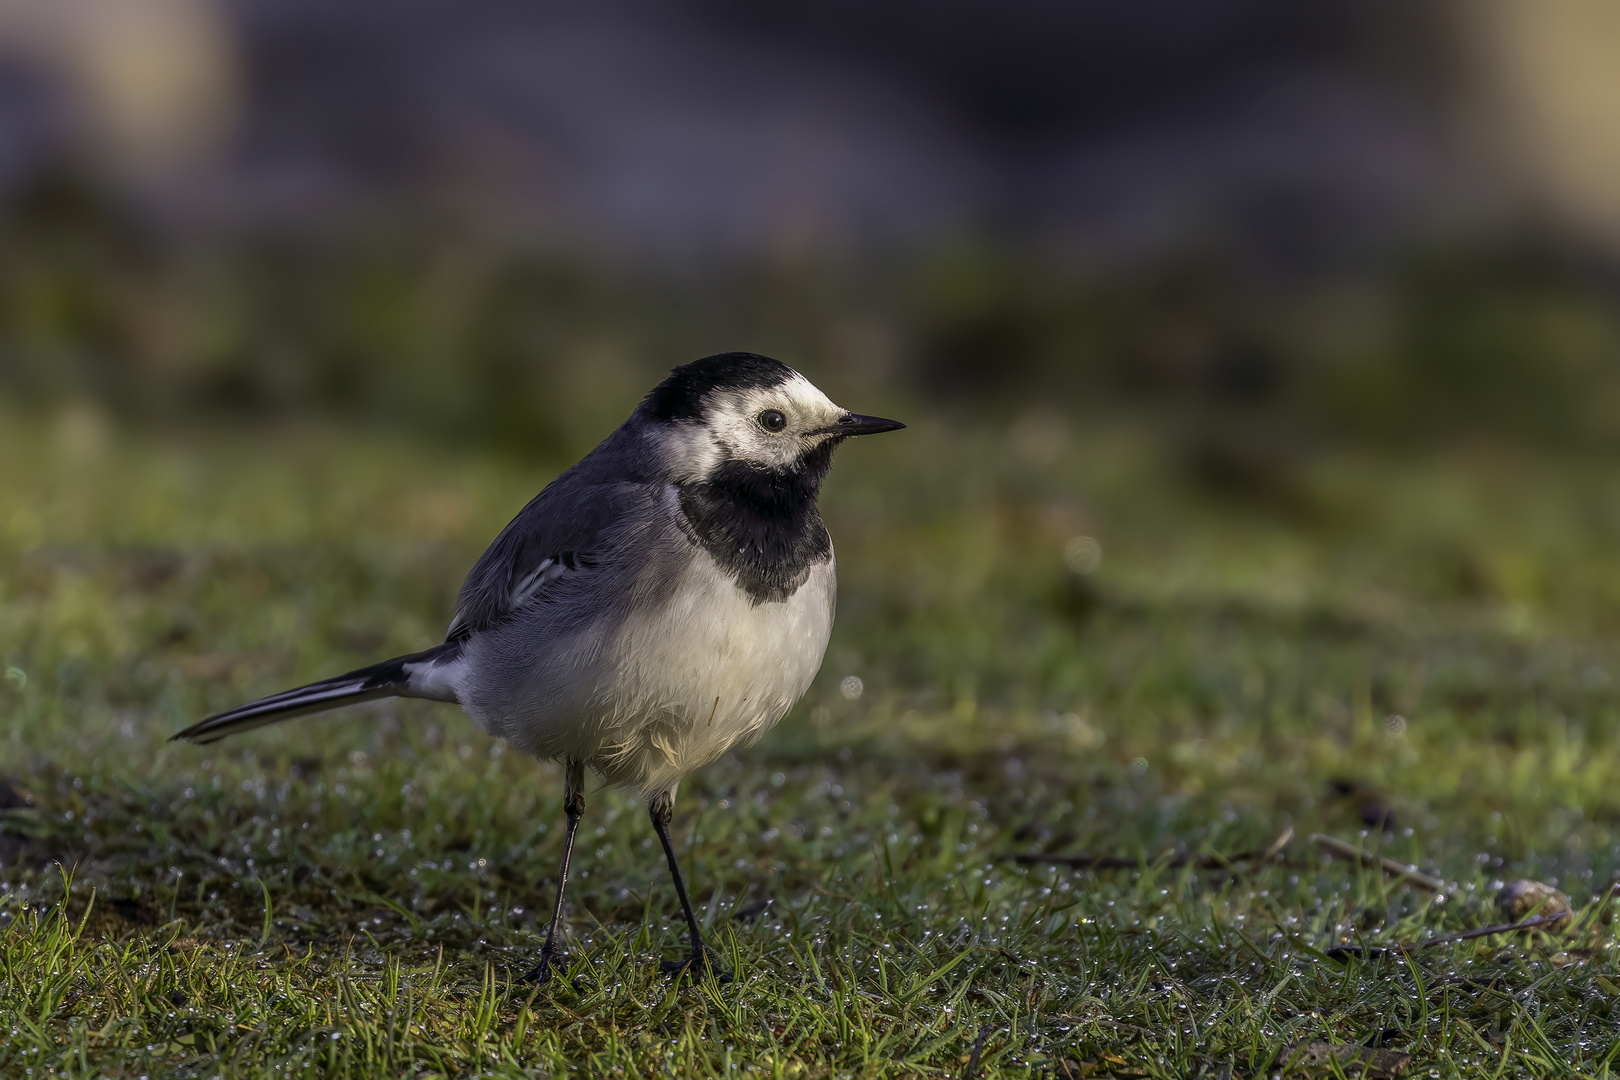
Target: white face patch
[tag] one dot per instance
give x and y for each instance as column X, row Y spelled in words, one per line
column 733, row 429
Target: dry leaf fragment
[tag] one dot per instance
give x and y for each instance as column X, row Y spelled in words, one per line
column 1518, row 899
column 1356, row 1061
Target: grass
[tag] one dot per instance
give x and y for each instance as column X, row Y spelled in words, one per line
column 353, row 895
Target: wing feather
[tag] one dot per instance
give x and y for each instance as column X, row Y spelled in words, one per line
column 570, row 529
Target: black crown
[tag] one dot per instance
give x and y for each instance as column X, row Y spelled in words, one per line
column 680, row 396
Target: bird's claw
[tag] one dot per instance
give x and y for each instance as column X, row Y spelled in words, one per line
column 540, row 974
column 701, row 963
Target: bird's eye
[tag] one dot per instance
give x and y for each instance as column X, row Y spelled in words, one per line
column 771, row 420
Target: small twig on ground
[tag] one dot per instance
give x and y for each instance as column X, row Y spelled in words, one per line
column 1333, row 845
column 1179, row 859
column 1505, row 928
column 1342, row 952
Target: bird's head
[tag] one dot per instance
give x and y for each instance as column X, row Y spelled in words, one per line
column 744, row 410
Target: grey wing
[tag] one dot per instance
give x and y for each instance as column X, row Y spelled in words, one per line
column 569, row 529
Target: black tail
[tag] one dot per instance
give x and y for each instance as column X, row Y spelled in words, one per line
column 391, row 678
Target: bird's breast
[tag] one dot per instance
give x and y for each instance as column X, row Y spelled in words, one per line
column 712, row 666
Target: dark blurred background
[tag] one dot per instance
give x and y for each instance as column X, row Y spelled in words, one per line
column 1269, row 225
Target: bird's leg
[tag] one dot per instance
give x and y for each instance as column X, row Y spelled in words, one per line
column 574, row 807
column 701, row 962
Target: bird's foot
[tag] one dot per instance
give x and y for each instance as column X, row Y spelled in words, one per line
column 540, row 974
column 703, row 962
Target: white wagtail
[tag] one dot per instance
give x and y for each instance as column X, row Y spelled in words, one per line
column 665, row 599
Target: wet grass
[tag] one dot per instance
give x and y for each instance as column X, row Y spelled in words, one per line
column 1337, row 644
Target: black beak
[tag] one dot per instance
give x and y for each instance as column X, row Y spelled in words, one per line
column 856, row 424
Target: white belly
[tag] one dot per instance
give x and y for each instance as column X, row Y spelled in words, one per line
column 706, row 671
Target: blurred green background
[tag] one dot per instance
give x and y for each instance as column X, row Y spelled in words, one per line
column 538, row 354
column 1263, row 419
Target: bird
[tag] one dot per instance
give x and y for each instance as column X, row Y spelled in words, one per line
column 666, row 598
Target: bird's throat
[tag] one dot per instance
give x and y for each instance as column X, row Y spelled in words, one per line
column 761, row 525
